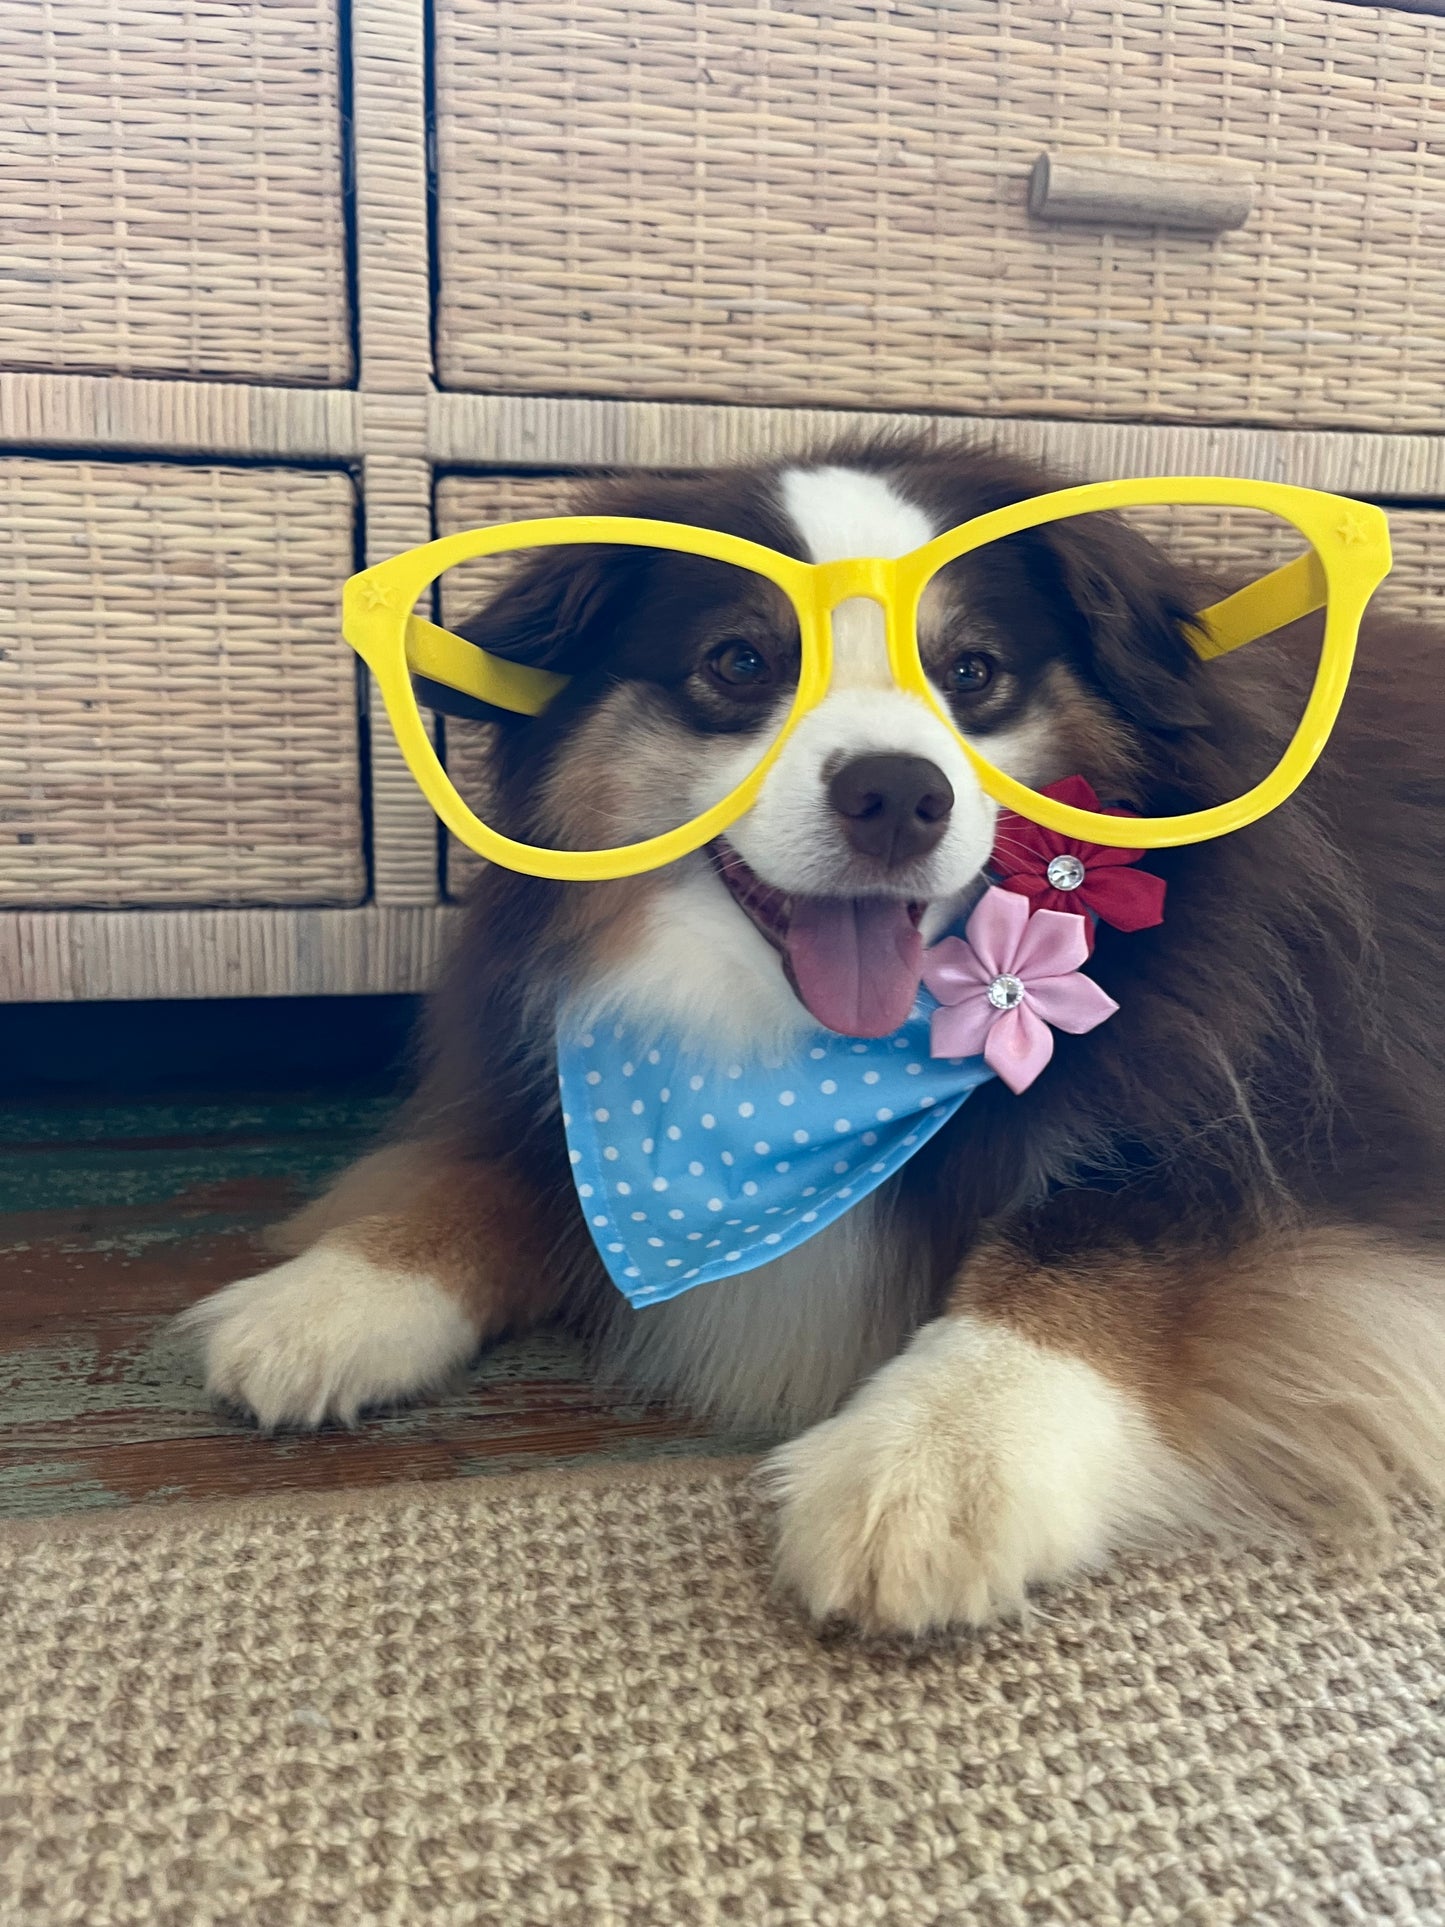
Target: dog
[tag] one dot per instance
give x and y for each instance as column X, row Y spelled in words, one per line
column 1191, row 1280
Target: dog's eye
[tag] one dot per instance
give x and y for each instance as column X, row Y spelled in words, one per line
column 738, row 665
column 970, row 674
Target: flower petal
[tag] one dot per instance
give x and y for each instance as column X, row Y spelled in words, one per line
column 1028, row 883
column 951, row 970
column 961, row 1029
column 1068, row 903
column 1021, row 846
column 1018, row 1047
column 1055, row 941
column 1128, row 899
column 1080, row 794
column 1074, row 1002
column 1095, row 856
column 1077, row 792
column 996, row 929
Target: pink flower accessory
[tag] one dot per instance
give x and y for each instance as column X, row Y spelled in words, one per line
column 1002, row 984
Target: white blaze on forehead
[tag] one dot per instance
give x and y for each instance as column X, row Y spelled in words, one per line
column 841, row 513
column 846, row 512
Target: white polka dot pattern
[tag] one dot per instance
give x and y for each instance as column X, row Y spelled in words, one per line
column 740, row 1163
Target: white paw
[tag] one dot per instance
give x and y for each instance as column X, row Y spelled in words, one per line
column 973, row 1466
column 326, row 1335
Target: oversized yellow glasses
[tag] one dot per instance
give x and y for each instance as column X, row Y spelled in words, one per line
column 1346, row 554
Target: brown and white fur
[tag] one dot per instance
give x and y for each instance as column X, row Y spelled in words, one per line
column 1194, row 1276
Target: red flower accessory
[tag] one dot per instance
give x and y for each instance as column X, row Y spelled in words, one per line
column 1062, row 873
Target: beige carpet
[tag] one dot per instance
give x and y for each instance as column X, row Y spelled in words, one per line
column 569, row 1699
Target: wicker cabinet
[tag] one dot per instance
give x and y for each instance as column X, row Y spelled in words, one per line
column 177, row 725
column 824, row 204
column 171, row 186
column 271, row 305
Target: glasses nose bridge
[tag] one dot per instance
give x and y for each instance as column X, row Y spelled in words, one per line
column 860, row 647
column 868, row 578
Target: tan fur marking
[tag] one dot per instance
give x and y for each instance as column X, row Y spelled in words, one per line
column 585, row 796
column 625, row 775
column 1304, row 1376
column 605, row 793
column 477, row 1230
column 1119, row 1312
column 601, row 922
column 382, row 1181
column 1086, row 737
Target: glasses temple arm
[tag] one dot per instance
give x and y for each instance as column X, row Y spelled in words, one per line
column 442, row 657
column 1296, row 590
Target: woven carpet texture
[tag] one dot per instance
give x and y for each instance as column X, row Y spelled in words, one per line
column 569, row 1698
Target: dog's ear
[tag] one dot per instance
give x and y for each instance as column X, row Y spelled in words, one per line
column 559, row 609
column 556, row 609
column 1136, row 611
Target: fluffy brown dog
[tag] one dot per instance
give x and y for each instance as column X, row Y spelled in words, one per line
column 1193, row 1275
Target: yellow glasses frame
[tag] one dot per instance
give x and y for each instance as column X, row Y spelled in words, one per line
column 1347, row 559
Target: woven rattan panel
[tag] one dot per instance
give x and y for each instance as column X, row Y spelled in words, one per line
column 1245, row 543
column 170, row 176
column 809, row 204
column 177, row 716
column 1248, row 544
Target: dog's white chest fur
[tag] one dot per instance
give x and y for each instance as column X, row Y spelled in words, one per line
column 780, row 1346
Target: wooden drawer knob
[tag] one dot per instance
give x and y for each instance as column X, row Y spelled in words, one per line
column 1134, row 190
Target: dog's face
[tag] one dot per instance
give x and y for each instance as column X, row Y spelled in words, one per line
column 1058, row 653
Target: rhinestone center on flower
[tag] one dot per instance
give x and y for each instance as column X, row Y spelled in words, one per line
column 1066, row 872
column 1006, row 993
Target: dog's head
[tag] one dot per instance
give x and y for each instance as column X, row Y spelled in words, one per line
column 1062, row 651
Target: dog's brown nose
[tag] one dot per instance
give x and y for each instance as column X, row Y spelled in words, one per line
column 893, row 807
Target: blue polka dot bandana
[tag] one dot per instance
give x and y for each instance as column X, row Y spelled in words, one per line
column 689, row 1170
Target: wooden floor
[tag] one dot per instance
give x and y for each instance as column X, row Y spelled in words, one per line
column 113, row 1218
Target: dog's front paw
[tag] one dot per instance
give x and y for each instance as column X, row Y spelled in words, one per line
column 973, row 1466
column 325, row 1336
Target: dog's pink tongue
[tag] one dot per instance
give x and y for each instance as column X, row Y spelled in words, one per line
column 855, row 962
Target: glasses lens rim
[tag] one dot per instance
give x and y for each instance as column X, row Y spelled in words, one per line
column 699, row 827
column 1346, row 594
column 1298, row 754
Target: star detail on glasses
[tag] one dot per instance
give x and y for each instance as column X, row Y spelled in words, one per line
column 373, row 596
column 1352, row 529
